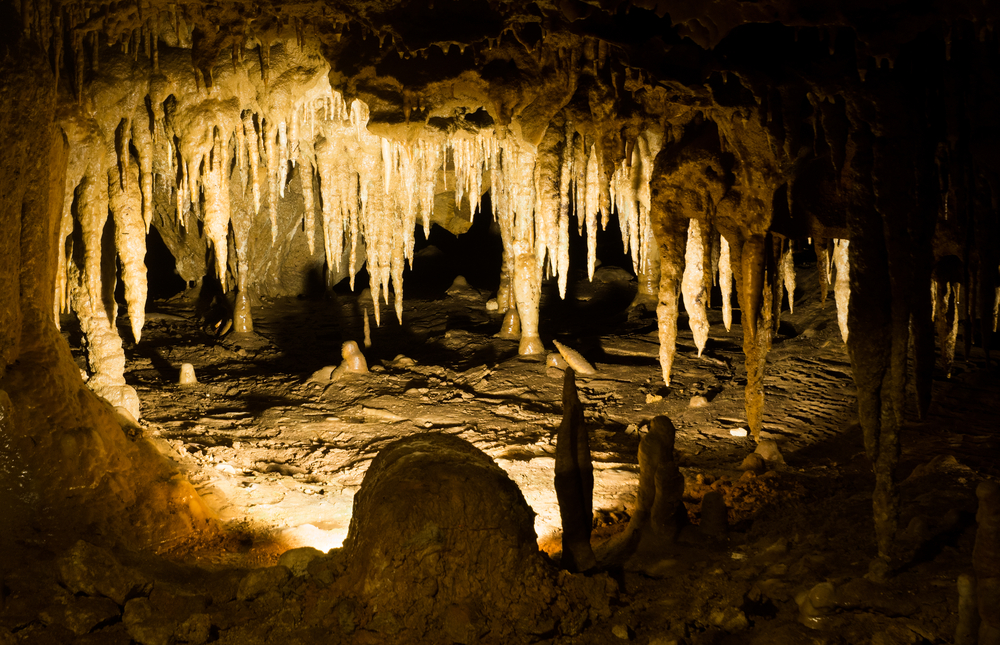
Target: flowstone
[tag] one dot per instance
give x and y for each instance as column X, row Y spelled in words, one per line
column 442, row 544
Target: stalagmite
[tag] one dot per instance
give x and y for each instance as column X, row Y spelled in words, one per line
column 659, row 513
column 693, row 285
column 726, row 282
column 842, row 285
column 187, row 376
column 574, row 481
column 367, row 330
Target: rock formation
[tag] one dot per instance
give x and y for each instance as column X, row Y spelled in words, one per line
column 442, row 542
column 272, row 143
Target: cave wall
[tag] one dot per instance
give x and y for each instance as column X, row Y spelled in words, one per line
column 271, row 142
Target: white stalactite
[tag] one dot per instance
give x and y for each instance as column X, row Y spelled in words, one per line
column 788, row 275
column 592, row 208
column 693, row 285
column 842, row 285
column 726, row 282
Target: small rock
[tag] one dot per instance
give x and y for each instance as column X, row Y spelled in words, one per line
column 402, row 362
column 297, row 560
column 94, row 571
column 555, row 372
column 322, row 375
column 738, row 432
column 556, row 360
column 144, row 626
column 815, row 604
column 260, row 581
column 663, row 640
column 768, row 450
column 622, row 631
column 730, row 619
column 195, row 630
column 698, row 402
column 85, row 613
column 491, row 305
column 187, row 375
column 458, row 285
column 653, row 398
column 754, row 463
column 714, row 514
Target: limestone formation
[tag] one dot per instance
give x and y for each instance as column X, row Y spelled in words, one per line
column 574, row 481
column 659, row 512
column 354, row 361
column 441, row 538
column 574, row 359
column 511, row 328
column 187, row 376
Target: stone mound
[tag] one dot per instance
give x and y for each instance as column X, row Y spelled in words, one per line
column 442, row 543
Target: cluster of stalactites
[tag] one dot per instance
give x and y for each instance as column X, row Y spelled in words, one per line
column 630, row 195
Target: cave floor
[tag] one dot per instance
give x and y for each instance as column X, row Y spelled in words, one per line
column 280, row 455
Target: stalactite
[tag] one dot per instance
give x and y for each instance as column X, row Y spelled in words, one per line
column 130, row 242
column 215, row 183
column 842, row 285
column 306, row 175
column 946, row 304
column 788, row 274
column 592, row 209
column 142, row 139
column 693, row 284
column 726, row 282
column 823, row 267
column 756, row 281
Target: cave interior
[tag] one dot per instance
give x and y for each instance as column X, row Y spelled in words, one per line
column 477, row 321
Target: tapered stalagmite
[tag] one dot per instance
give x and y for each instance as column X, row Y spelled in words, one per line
column 659, row 511
column 574, row 481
